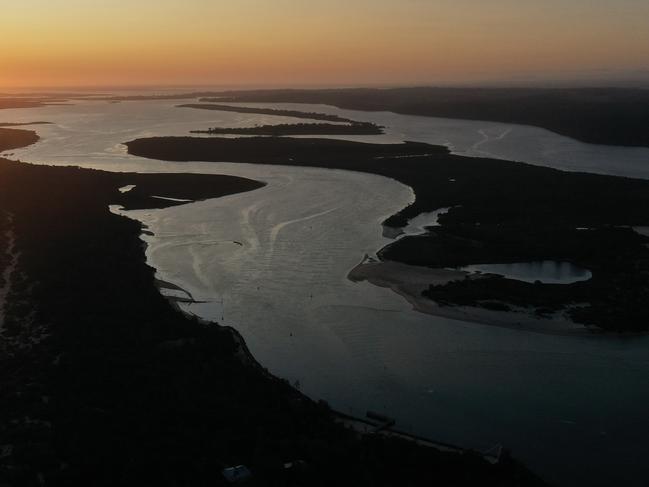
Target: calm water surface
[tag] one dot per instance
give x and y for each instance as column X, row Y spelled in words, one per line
column 572, row 408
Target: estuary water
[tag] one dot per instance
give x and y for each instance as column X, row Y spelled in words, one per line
column 273, row 263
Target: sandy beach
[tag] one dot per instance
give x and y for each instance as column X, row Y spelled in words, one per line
column 410, row 281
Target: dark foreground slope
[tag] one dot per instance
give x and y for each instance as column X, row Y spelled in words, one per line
column 104, row 383
column 594, row 115
column 502, row 212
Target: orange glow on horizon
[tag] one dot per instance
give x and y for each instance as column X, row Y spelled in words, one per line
column 201, row 42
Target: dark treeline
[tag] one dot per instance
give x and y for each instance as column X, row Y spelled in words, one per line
column 503, row 212
column 595, row 115
column 355, row 128
column 15, row 139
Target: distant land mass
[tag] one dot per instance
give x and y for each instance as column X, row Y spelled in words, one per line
column 21, row 103
column 613, row 116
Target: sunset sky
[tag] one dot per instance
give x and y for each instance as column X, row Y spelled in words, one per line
column 317, row 42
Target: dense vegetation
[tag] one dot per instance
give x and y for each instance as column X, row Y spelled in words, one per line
column 502, row 212
column 594, row 115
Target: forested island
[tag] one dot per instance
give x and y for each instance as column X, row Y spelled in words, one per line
column 355, row 128
column 105, row 382
column 500, row 212
column 613, row 116
column 15, row 139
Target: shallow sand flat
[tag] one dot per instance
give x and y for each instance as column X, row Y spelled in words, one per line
column 411, row 281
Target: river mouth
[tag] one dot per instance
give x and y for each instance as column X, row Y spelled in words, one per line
column 543, row 271
column 285, row 289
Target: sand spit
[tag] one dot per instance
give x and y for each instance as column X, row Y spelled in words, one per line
column 410, row 282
